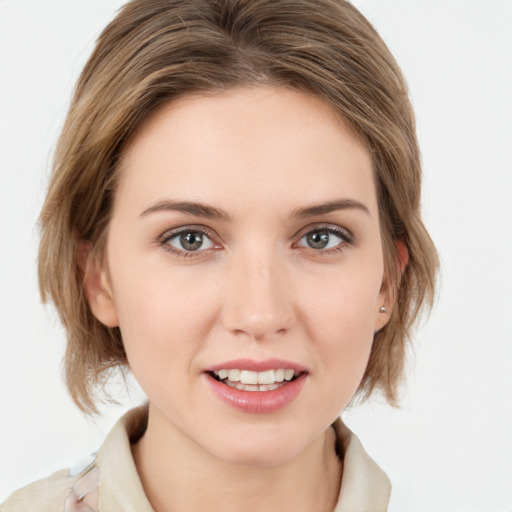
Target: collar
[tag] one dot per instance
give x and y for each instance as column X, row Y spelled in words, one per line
column 364, row 487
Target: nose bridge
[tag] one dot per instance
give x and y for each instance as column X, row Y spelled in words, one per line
column 258, row 300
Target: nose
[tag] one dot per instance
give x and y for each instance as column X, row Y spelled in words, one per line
column 258, row 299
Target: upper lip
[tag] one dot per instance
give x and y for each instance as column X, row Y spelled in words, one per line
column 256, row 366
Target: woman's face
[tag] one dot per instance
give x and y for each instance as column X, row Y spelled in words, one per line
column 245, row 236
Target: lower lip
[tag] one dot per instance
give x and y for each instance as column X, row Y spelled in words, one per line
column 258, row 401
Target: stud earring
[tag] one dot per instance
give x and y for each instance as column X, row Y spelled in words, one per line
column 382, row 309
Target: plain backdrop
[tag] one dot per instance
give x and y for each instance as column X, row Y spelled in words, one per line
column 451, row 442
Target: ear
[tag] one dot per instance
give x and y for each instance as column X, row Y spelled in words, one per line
column 387, row 300
column 97, row 287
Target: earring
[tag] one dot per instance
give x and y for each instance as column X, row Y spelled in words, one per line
column 382, row 309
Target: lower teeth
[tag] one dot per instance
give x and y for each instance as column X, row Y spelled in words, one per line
column 251, row 387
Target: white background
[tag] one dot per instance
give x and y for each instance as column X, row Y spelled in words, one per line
column 451, row 442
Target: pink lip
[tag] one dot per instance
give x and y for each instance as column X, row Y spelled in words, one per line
column 256, row 366
column 260, row 402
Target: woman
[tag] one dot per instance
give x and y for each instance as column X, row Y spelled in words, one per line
column 234, row 216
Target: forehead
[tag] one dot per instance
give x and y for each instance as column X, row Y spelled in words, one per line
column 269, row 145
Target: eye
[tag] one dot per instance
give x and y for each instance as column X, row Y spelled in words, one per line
column 188, row 240
column 325, row 238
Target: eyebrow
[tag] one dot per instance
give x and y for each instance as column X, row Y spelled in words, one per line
column 192, row 208
column 331, row 206
column 210, row 212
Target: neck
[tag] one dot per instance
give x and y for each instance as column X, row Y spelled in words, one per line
column 177, row 474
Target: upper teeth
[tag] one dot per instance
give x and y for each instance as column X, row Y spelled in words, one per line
column 249, row 377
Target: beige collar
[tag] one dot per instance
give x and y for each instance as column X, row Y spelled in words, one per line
column 365, row 487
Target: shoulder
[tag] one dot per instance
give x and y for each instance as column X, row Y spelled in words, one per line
column 78, row 489
column 46, row 495
column 65, row 490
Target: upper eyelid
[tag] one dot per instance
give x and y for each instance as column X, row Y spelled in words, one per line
column 170, row 233
column 335, row 228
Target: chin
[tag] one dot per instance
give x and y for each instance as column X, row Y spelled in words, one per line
column 259, row 446
column 258, row 456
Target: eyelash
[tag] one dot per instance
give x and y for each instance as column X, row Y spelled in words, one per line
column 346, row 239
column 170, row 235
column 345, row 236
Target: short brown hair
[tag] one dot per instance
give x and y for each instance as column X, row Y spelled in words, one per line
column 157, row 50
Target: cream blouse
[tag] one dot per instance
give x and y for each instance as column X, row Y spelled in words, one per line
column 110, row 482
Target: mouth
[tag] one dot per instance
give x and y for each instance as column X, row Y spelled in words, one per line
column 254, row 386
column 248, row 380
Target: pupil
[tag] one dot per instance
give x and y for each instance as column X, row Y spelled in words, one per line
column 318, row 239
column 191, row 241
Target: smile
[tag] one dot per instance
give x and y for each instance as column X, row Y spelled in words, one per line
column 257, row 386
column 247, row 380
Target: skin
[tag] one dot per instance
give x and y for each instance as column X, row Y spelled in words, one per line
column 256, row 289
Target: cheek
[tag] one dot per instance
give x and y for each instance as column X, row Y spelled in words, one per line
column 341, row 321
column 345, row 337
column 163, row 317
column 343, row 302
